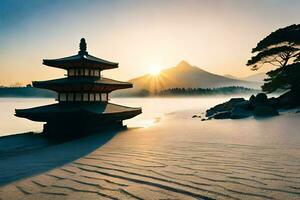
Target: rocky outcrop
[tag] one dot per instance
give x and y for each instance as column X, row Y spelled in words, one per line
column 265, row 111
column 289, row 100
column 222, row 115
column 227, row 106
column 238, row 108
column 240, row 112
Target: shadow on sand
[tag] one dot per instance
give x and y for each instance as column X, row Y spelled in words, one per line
column 29, row 154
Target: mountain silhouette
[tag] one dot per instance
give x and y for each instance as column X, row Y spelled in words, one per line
column 184, row 75
column 256, row 77
column 231, row 76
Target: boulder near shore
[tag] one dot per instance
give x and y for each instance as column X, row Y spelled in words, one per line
column 257, row 106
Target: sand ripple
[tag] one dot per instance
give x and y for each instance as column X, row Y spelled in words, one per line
column 209, row 171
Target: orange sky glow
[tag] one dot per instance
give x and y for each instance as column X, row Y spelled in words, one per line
column 216, row 36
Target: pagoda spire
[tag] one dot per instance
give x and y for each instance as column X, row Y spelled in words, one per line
column 82, row 47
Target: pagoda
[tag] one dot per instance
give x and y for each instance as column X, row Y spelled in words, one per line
column 83, row 97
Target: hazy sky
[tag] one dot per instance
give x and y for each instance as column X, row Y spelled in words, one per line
column 214, row 35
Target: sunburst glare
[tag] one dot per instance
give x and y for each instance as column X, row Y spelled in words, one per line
column 154, row 70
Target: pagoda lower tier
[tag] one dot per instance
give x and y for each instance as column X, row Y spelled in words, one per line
column 78, row 118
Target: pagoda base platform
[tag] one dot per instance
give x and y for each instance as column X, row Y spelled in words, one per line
column 75, row 119
column 72, row 130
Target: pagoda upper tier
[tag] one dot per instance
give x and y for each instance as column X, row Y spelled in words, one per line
column 82, row 60
column 82, row 84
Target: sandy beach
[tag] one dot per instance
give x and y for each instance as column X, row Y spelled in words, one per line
column 176, row 157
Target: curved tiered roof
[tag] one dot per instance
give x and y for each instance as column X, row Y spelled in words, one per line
column 71, row 84
column 68, row 110
column 82, row 59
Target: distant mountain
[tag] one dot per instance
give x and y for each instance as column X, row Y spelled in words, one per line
column 183, row 75
column 256, row 77
column 230, row 76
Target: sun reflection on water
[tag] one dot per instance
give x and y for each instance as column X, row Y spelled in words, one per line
column 148, row 123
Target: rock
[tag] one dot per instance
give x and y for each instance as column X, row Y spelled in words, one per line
column 252, row 99
column 196, row 116
column 261, row 98
column 222, row 115
column 252, row 102
column 259, row 106
column 240, row 113
column 244, row 104
column 273, row 102
column 227, row 106
column 265, row 111
column 288, row 100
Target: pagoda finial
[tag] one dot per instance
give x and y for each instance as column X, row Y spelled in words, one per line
column 82, row 47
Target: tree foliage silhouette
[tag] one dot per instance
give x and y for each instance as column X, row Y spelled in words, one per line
column 205, row 91
column 282, row 50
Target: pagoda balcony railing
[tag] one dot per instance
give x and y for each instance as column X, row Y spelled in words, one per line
column 82, row 97
column 84, row 72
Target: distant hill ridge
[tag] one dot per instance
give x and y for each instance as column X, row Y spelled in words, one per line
column 25, row 92
column 256, row 77
column 183, row 75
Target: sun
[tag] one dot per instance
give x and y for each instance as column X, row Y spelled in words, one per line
column 154, row 70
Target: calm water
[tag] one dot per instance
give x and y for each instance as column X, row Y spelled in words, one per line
column 153, row 110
